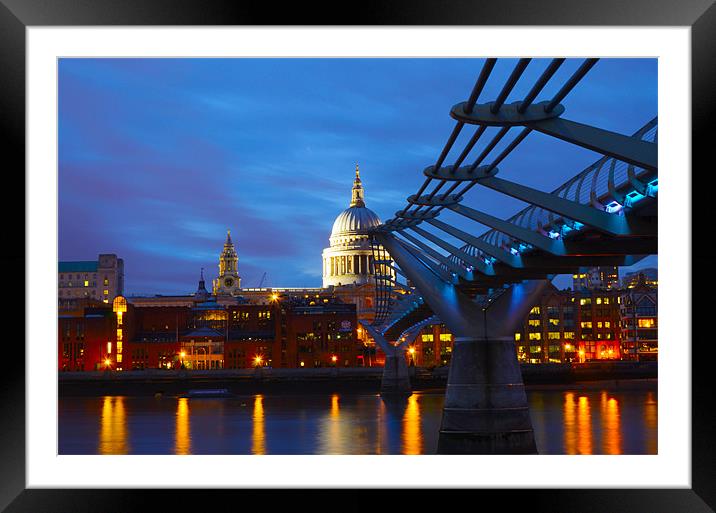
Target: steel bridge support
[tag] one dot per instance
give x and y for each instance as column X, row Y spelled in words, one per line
column 396, row 380
column 485, row 409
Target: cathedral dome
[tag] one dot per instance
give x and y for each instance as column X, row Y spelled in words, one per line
column 349, row 258
column 354, row 221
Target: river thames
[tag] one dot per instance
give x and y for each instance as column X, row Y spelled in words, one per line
column 566, row 421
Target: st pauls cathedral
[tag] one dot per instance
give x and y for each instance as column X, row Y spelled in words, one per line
column 347, row 261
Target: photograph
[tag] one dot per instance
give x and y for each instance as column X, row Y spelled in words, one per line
column 357, row 256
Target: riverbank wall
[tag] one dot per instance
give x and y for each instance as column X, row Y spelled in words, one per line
column 321, row 380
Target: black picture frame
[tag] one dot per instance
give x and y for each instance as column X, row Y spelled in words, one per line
column 17, row 15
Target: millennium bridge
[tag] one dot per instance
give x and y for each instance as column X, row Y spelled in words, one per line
column 482, row 287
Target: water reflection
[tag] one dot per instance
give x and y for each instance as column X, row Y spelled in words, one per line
column 565, row 422
column 570, row 431
column 258, row 438
column 182, row 435
column 412, row 432
column 113, row 426
column 611, row 425
column 577, row 425
column 584, row 426
column 650, row 420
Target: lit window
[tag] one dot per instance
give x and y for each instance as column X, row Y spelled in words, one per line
column 518, row 336
column 106, row 292
column 86, row 283
column 607, row 324
column 427, row 338
column 533, row 322
column 445, row 337
column 646, row 323
column 569, row 334
column 535, row 336
column 586, row 324
column 554, row 322
column 535, row 310
column 585, row 301
column 553, row 336
column 606, row 300
column 599, row 301
column 599, row 324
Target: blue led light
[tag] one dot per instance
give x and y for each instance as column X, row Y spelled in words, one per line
column 612, row 207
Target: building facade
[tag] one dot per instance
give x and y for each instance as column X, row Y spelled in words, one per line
column 564, row 327
column 640, row 319
column 203, row 334
column 100, row 280
column 599, row 278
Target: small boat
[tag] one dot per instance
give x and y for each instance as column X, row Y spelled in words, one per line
column 207, row 392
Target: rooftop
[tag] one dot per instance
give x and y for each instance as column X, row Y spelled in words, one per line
column 75, row 267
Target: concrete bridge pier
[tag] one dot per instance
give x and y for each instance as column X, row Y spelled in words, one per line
column 485, row 409
column 396, row 380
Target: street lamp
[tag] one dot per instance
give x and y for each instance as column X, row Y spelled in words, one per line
column 258, row 360
column 334, row 359
column 411, row 350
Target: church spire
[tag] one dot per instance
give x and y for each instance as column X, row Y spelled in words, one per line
column 357, row 196
column 201, row 293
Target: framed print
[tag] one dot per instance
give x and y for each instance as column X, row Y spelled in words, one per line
column 254, row 289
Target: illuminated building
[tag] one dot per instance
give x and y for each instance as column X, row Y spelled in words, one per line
column 100, row 280
column 349, row 259
column 82, row 336
column 597, row 278
column 648, row 276
column 286, row 332
column 432, row 347
column 640, row 320
column 228, row 281
column 564, row 327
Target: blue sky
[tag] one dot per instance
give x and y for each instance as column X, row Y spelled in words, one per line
column 159, row 157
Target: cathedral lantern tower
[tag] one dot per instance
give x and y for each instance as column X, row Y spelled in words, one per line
column 229, row 281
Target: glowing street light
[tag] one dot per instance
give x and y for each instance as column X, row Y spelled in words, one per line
column 258, row 360
column 107, row 362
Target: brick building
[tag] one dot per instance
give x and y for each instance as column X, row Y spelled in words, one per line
column 284, row 332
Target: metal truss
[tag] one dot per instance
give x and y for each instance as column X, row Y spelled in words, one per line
column 604, row 215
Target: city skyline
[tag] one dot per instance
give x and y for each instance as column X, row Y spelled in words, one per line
column 159, row 157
